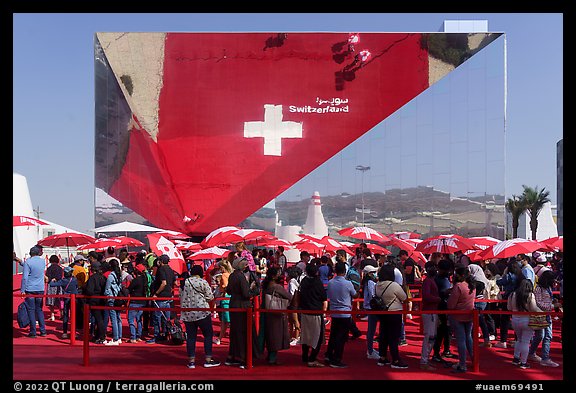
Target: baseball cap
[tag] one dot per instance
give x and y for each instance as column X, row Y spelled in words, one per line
column 80, row 258
column 68, row 269
column 141, row 268
column 369, row 269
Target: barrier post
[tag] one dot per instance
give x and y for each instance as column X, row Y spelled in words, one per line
column 249, row 323
column 72, row 319
column 86, row 336
column 257, row 312
column 475, row 345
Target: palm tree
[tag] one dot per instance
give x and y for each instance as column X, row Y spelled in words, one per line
column 535, row 200
column 515, row 206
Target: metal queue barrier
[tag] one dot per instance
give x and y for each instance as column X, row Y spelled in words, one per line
column 252, row 318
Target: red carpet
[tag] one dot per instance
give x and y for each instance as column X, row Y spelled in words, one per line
column 50, row 358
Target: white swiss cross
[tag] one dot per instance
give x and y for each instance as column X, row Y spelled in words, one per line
column 272, row 129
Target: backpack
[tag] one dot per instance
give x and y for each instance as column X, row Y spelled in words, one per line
column 175, row 331
column 124, row 292
column 22, row 315
column 377, row 303
column 148, row 283
column 354, row 277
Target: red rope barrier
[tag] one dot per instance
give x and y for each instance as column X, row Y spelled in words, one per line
column 252, row 311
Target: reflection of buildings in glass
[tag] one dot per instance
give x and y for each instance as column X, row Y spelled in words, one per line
column 450, row 138
column 422, row 209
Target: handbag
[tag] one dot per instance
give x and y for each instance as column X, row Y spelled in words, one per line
column 274, row 302
column 538, row 321
column 295, row 302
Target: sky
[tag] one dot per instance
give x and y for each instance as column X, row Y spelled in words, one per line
column 53, row 90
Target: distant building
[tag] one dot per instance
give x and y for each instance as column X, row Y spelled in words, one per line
column 315, row 223
column 23, row 238
column 546, row 225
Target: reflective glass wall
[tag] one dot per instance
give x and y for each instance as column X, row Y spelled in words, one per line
column 435, row 166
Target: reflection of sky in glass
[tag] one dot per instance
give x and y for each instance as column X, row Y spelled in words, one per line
column 450, row 137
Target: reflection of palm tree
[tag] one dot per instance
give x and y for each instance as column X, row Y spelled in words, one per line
column 515, row 206
column 534, row 201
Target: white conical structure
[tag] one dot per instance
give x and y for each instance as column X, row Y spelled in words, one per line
column 315, row 223
column 26, row 236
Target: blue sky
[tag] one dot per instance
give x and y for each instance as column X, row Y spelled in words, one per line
column 53, row 90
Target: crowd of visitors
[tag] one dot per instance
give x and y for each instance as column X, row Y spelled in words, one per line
column 311, row 288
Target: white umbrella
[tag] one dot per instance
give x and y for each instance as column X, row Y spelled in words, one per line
column 126, row 226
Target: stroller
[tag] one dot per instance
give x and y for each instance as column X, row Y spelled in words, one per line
column 175, row 332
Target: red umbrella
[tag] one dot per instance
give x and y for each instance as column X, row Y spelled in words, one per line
column 66, row 239
column 375, row 248
column 162, row 246
column 482, row 243
column 244, row 235
column 510, row 248
column 474, row 255
column 214, row 238
column 554, row 243
column 446, row 244
column 276, row 243
column 334, row 245
column 118, row 241
column 25, row 221
column 173, row 235
column 309, row 245
column 209, row 253
column 407, row 245
column 405, row 235
column 400, row 243
column 190, row 246
column 310, row 237
column 363, row 233
column 418, row 256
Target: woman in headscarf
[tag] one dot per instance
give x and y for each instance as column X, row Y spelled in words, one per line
column 277, row 335
column 241, row 293
column 312, row 297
